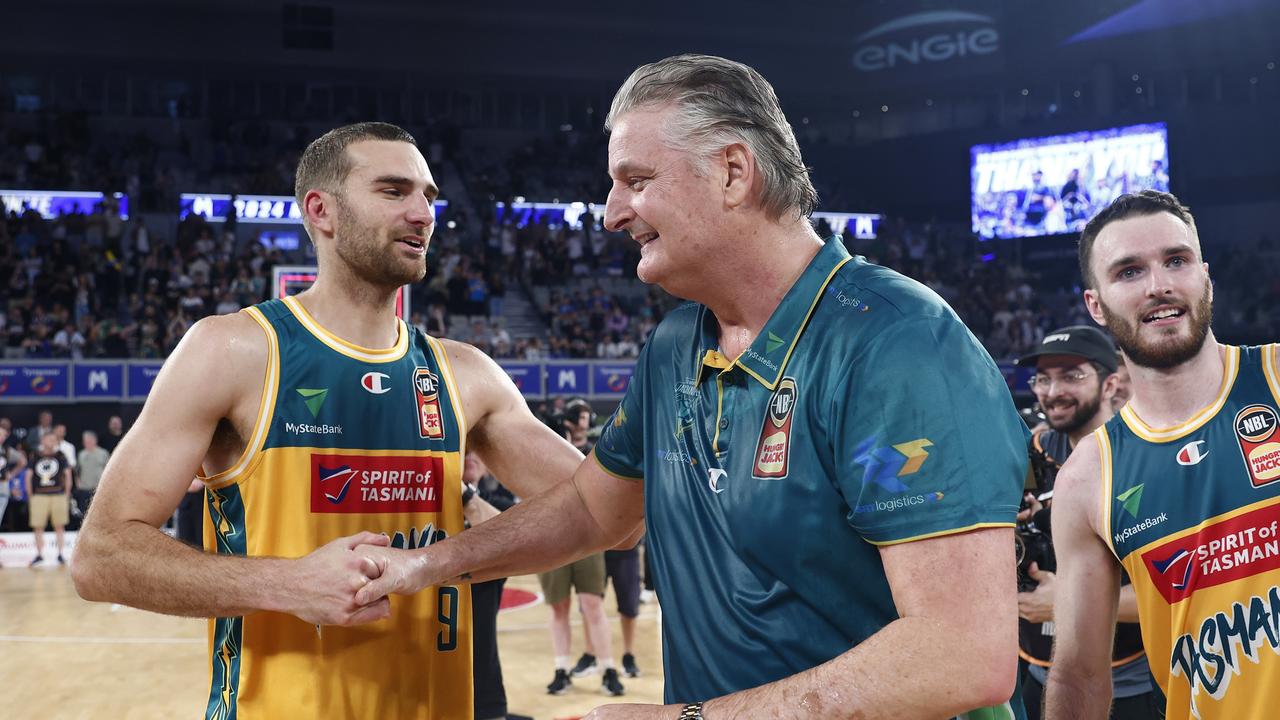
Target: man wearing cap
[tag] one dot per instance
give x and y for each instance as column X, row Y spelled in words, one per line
column 1075, row 383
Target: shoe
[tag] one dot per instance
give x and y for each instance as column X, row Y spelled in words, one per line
column 559, row 684
column 586, row 666
column 646, row 596
column 61, row 561
column 611, row 684
column 37, row 561
column 629, row 667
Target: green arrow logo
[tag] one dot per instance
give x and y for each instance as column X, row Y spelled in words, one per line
column 1130, row 500
column 314, row 398
column 773, row 343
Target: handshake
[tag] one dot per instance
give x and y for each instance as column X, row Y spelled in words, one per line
column 349, row 580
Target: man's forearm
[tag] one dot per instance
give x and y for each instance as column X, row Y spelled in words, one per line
column 913, row 668
column 136, row 564
column 544, row 532
column 1074, row 695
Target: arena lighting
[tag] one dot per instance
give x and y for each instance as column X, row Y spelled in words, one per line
column 864, row 226
column 279, row 209
column 52, row 204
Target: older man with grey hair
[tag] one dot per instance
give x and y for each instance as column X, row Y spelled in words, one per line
column 827, row 462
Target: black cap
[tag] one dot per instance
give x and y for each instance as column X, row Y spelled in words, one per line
column 1083, row 341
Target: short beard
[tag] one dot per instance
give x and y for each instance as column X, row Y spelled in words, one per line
column 360, row 248
column 1085, row 412
column 1165, row 354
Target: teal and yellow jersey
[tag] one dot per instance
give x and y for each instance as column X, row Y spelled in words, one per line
column 864, row 414
column 347, row 439
column 1192, row 513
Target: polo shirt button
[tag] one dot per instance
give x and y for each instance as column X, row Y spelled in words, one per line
column 724, row 423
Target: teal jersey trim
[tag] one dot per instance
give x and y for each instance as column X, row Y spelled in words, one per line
column 226, row 510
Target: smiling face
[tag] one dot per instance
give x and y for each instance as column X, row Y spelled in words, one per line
column 662, row 200
column 383, row 217
column 1152, row 290
column 1071, row 392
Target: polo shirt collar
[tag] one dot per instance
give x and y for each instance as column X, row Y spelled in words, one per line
column 766, row 359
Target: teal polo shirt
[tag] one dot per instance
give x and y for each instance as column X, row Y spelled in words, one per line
column 864, row 414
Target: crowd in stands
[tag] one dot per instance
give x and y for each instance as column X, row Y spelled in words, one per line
column 98, row 286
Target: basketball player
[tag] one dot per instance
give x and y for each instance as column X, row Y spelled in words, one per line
column 1075, row 383
column 317, row 423
column 827, row 461
column 1180, row 487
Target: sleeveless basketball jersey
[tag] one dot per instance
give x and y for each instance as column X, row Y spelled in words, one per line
column 1192, row 512
column 347, row 439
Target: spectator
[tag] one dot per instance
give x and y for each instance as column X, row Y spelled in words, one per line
column 48, row 489
column 43, row 426
column 12, row 461
column 89, row 466
column 115, row 432
column 65, row 446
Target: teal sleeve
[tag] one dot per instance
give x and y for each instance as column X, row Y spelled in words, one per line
column 927, row 439
column 621, row 447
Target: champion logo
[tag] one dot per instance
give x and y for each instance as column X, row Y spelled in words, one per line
column 1191, row 454
column 375, row 382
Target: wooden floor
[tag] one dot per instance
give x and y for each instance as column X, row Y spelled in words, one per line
column 61, row 657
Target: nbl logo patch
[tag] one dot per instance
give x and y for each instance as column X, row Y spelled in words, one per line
column 426, row 386
column 774, row 445
column 1258, row 432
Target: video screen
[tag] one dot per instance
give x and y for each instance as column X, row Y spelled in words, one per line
column 1054, row 185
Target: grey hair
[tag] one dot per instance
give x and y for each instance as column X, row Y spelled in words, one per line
column 718, row 102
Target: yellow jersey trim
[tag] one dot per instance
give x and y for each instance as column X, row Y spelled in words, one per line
column 1231, row 368
column 795, row 338
column 266, row 409
column 1104, row 462
column 351, row 350
column 455, row 398
column 715, row 441
column 1271, row 368
column 942, row 533
column 611, row 473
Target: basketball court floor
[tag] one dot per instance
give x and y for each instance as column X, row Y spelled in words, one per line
column 62, row 657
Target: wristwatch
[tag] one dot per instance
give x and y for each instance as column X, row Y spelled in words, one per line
column 468, row 492
column 692, row 711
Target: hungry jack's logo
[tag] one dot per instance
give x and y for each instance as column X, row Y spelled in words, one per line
column 774, row 446
column 426, row 386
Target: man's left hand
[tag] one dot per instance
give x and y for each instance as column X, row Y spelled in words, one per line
column 1037, row 606
column 634, row 711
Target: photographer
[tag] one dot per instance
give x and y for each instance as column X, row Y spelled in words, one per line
column 1075, row 383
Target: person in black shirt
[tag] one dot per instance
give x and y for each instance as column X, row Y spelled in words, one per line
column 483, row 497
column 49, row 494
column 115, row 432
column 1075, row 382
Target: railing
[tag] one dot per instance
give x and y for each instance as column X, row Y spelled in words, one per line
column 67, row 381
